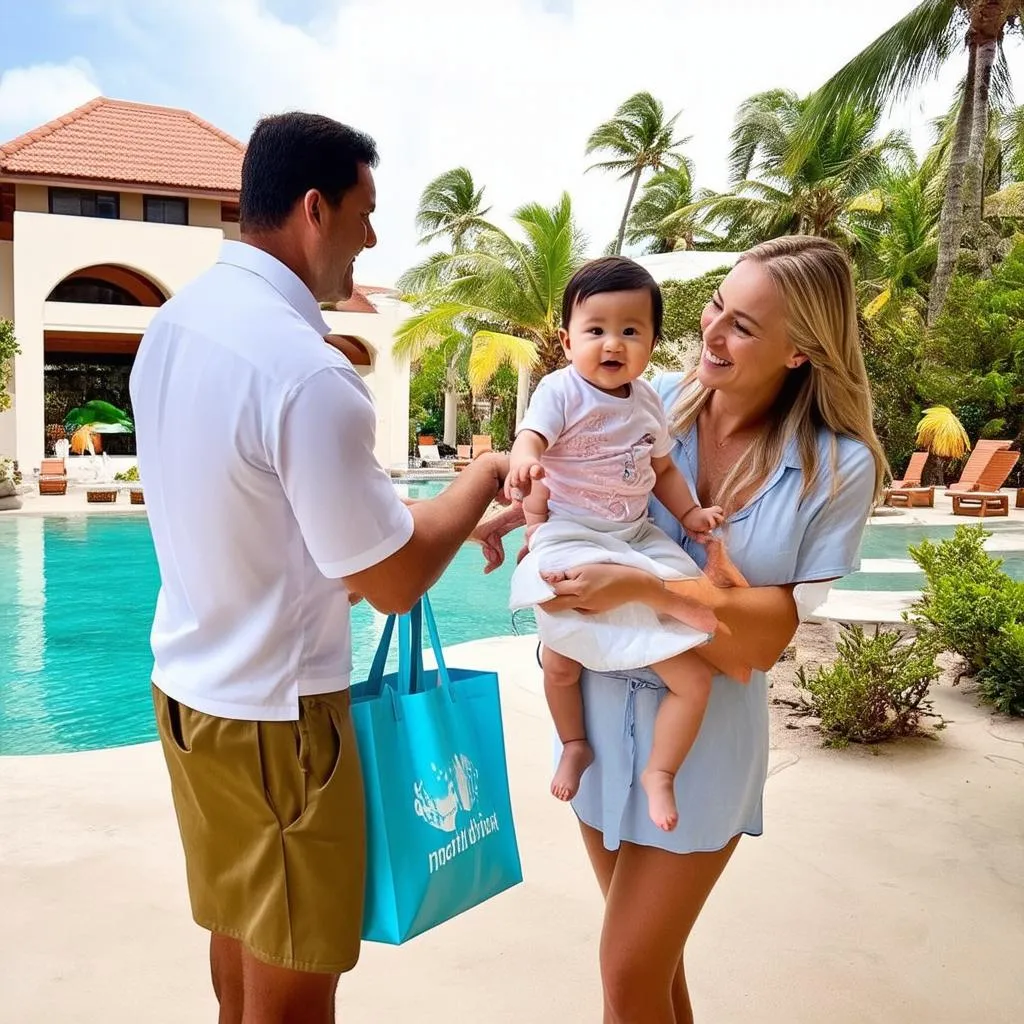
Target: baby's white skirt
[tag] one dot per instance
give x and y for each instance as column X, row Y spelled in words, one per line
column 624, row 637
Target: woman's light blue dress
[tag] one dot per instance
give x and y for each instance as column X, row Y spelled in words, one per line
column 775, row 539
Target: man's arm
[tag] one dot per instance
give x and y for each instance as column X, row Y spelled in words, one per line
column 353, row 523
column 440, row 527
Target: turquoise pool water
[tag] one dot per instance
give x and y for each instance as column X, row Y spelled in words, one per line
column 77, row 596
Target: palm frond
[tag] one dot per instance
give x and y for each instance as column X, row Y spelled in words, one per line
column 492, row 350
column 900, row 59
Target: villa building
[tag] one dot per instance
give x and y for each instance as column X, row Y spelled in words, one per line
column 104, row 214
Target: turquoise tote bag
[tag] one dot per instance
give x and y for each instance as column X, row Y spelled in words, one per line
column 440, row 834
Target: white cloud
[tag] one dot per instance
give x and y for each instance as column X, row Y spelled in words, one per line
column 509, row 88
column 31, row 96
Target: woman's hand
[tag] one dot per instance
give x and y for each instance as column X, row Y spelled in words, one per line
column 599, row 588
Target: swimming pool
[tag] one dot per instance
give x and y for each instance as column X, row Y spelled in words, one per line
column 76, row 602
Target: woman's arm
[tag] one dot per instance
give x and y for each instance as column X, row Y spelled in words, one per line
column 759, row 621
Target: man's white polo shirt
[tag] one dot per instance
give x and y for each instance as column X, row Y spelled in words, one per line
column 255, row 442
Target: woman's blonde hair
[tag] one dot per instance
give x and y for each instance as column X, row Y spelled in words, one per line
column 830, row 390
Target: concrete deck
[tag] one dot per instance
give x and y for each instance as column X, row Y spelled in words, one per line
column 887, row 890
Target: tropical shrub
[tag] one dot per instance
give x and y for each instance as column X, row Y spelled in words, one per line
column 877, row 688
column 8, row 350
column 976, row 611
column 1001, row 681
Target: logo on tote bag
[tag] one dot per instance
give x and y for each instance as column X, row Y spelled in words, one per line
column 449, row 789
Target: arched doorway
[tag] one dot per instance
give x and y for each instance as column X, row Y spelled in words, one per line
column 108, row 284
column 81, row 365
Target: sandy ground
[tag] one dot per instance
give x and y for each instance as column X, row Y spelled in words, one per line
column 888, row 888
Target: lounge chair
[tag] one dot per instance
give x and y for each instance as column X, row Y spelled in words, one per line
column 975, row 466
column 994, row 469
column 53, row 477
column 481, row 444
column 988, row 500
column 913, row 472
column 463, row 457
column 429, row 454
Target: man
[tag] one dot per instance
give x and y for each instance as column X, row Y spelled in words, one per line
column 269, row 513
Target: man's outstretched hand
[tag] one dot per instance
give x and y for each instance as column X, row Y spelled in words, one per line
column 490, row 532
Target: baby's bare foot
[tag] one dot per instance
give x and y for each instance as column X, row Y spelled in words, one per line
column 661, row 798
column 577, row 757
column 551, row 578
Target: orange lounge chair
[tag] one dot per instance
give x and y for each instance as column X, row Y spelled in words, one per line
column 970, row 476
column 481, row 444
column 53, row 477
column 912, row 474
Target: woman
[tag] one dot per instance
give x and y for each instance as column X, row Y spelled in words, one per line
column 775, row 426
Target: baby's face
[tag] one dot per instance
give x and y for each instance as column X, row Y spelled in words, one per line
column 610, row 338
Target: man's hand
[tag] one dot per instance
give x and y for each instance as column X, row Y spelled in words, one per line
column 489, row 534
column 497, row 464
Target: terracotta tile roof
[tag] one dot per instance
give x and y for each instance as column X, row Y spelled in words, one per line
column 128, row 143
column 359, row 303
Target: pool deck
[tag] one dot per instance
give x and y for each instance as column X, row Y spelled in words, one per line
column 886, row 889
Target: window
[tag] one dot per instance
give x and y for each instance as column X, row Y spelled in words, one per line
column 91, row 289
column 229, row 213
column 76, row 202
column 164, row 210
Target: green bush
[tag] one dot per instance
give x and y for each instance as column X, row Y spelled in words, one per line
column 1001, row 681
column 129, row 475
column 877, row 688
column 684, row 302
column 967, row 598
column 8, row 350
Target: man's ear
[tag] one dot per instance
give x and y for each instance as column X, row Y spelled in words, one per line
column 312, row 202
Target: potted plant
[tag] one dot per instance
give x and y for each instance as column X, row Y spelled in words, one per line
column 9, row 480
column 132, row 476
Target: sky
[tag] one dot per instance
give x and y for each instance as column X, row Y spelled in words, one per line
column 508, row 88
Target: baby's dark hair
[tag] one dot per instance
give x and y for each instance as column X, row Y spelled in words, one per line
column 611, row 274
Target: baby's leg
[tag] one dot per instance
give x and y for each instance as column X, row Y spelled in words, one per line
column 688, row 679
column 565, row 702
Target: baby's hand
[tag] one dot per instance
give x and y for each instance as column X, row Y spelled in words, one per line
column 703, row 520
column 521, row 474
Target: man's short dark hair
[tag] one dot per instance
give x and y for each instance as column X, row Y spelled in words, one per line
column 611, row 274
column 289, row 154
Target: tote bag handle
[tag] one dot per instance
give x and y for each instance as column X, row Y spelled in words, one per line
column 410, row 649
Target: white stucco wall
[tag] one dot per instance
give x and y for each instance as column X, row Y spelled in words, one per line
column 48, row 248
column 388, row 379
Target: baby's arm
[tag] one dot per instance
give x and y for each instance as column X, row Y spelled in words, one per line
column 524, row 476
column 672, row 491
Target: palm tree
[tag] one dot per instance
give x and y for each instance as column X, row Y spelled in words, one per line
column 897, row 227
column 504, row 292
column 775, row 193
column 451, row 206
column 662, row 218
column 911, row 52
column 640, row 140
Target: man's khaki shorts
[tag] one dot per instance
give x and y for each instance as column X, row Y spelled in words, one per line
column 271, row 818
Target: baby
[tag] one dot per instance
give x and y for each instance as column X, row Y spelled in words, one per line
column 592, row 448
